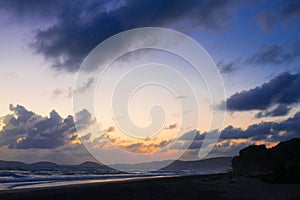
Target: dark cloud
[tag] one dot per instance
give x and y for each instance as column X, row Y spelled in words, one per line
column 227, row 68
column 32, row 8
column 273, row 131
column 290, row 9
column 26, row 130
column 192, row 134
column 196, row 144
column 171, row 126
column 260, row 131
column 279, row 110
column 81, row 25
column 184, row 142
column 267, row 19
column 277, row 13
column 287, row 129
column 276, row 54
column 109, row 129
column 232, row 133
column 23, row 115
column 83, row 119
column 281, row 92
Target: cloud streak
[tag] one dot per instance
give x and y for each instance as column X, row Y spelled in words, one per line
column 276, row 54
column 227, row 68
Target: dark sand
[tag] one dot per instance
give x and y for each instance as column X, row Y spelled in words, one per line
column 222, row 186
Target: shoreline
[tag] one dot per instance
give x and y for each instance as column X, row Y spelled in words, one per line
column 216, row 186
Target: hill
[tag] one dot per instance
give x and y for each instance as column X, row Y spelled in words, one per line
column 211, row 164
column 88, row 166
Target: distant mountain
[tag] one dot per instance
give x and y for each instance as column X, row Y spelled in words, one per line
column 207, row 164
column 11, row 165
column 40, row 165
column 14, row 165
column 89, row 164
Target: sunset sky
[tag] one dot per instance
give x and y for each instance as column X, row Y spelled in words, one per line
column 255, row 45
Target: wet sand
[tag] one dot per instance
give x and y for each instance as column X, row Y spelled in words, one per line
column 221, row 186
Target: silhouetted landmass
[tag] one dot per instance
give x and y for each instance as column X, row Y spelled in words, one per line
column 206, row 164
column 213, row 164
column 89, row 167
column 280, row 163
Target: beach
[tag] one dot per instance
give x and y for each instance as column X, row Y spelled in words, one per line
column 218, row 186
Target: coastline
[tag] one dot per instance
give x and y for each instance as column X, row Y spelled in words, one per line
column 215, row 186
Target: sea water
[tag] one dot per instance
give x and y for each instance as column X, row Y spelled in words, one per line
column 18, row 179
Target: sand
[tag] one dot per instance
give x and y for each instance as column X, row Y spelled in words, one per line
column 222, row 186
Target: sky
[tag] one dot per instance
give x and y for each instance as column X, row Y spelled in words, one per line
column 254, row 44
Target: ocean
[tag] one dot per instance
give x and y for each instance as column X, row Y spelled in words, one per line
column 18, row 179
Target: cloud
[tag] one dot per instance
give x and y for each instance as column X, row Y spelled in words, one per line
column 233, row 133
column 272, row 131
column 141, row 147
column 276, row 54
column 181, row 97
column 280, row 92
column 62, row 92
column 86, row 137
column 83, row 119
column 279, row 12
column 77, row 27
column 234, row 139
column 290, row 9
column 26, row 130
column 228, row 67
column 23, row 116
column 86, row 85
column 279, row 110
column 171, row 126
column 266, row 19
column 68, row 93
column 193, row 133
column 32, row 8
column 196, row 144
column 109, row 129
column 229, row 148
